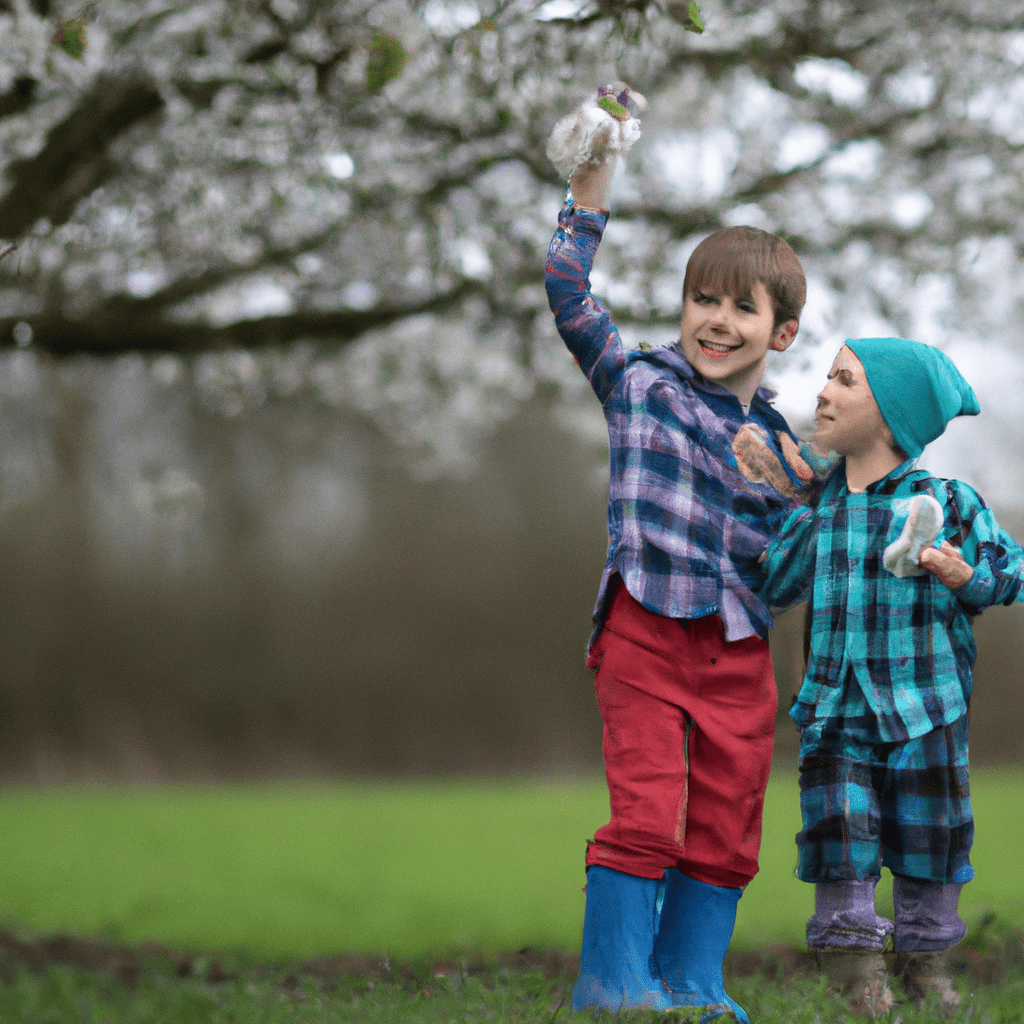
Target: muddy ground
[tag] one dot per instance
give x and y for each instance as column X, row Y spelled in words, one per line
column 990, row 955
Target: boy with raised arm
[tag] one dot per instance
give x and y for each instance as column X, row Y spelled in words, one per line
column 702, row 470
column 895, row 564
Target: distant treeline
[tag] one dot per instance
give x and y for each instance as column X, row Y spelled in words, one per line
column 449, row 640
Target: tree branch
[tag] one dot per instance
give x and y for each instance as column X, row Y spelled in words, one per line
column 112, row 335
column 74, row 161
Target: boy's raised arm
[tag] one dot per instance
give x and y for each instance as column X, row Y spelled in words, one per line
column 585, row 148
column 590, row 185
column 586, row 145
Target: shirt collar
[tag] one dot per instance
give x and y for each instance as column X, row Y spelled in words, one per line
column 887, row 485
column 892, row 480
column 671, row 357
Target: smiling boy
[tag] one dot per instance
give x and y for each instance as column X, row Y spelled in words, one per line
column 883, row 707
column 726, row 339
column 702, row 468
column 730, row 322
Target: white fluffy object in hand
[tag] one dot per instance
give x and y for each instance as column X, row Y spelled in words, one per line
column 919, row 531
column 592, row 135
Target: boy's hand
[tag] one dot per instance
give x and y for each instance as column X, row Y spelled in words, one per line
column 600, row 131
column 821, row 460
column 947, row 565
column 758, row 461
column 903, row 556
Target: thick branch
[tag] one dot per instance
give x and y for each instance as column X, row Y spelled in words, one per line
column 19, row 97
column 107, row 335
column 74, row 160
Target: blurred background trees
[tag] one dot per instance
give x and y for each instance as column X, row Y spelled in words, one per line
column 295, row 475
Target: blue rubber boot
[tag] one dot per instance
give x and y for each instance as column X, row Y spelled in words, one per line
column 696, row 926
column 618, row 938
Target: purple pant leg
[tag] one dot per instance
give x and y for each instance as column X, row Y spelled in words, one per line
column 844, row 917
column 927, row 915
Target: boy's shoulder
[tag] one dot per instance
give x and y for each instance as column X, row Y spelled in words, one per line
column 946, row 490
column 762, row 407
column 669, row 357
column 648, row 366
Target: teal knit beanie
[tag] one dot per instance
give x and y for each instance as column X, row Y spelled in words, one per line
column 918, row 389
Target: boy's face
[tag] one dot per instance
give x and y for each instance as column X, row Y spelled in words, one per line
column 847, row 420
column 726, row 338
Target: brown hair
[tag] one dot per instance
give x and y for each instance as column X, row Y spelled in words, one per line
column 732, row 260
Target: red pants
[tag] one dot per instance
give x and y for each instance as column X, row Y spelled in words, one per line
column 688, row 728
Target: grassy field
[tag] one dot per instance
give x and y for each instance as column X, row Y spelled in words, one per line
column 489, row 996
column 402, row 869
column 245, row 885
column 482, row 995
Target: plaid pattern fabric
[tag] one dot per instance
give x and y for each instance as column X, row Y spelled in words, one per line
column 868, row 805
column 908, row 641
column 686, row 527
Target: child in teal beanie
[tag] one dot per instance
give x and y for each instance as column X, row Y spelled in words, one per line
column 894, row 563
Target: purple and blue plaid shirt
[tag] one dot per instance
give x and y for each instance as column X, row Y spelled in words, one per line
column 890, row 656
column 686, row 526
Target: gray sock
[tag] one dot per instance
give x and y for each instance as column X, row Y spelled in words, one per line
column 927, row 915
column 844, row 917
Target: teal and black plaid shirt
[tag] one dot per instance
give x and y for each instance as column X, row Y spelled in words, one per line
column 907, row 643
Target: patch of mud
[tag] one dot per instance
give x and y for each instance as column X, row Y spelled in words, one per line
column 990, row 955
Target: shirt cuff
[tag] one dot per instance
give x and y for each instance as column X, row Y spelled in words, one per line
column 978, row 590
column 580, row 216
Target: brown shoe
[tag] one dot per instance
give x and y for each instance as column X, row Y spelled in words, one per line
column 928, row 973
column 861, row 976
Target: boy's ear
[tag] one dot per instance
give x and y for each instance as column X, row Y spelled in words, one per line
column 783, row 336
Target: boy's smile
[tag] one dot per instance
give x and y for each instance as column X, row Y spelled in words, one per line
column 727, row 338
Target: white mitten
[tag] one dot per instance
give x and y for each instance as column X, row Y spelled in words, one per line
column 920, row 530
column 600, row 131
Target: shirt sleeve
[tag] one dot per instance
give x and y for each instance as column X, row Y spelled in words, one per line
column 998, row 560
column 821, row 465
column 585, row 327
column 790, row 560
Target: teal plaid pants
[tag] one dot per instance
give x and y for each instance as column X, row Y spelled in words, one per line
column 867, row 805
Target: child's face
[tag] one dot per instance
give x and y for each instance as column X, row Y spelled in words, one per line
column 726, row 338
column 847, row 420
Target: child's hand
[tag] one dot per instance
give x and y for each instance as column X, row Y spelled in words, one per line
column 947, row 565
column 903, row 556
column 758, row 461
column 821, row 460
column 598, row 132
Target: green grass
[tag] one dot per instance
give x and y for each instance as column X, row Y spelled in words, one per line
column 264, row 876
column 406, row 869
column 61, row 995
